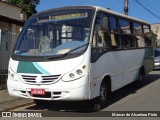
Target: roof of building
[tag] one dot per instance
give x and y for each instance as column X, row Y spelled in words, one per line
column 9, row 3
column 11, row 20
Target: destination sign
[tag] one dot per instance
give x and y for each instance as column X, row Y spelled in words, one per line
column 70, row 16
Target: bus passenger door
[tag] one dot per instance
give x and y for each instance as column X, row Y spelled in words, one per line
column 104, row 61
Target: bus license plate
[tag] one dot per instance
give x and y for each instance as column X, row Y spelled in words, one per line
column 38, row 91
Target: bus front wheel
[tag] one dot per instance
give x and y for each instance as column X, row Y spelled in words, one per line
column 104, row 93
column 102, row 100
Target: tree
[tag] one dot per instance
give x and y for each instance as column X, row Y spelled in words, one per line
column 28, row 6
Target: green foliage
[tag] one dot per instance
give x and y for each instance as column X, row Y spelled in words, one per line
column 28, row 6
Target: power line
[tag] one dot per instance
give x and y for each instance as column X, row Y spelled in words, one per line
column 136, row 7
column 147, row 9
column 154, row 6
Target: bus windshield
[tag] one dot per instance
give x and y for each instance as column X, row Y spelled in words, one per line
column 55, row 33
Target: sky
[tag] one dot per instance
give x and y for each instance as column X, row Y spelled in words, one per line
column 151, row 15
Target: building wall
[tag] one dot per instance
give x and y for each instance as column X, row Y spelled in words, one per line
column 11, row 32
column 10, row 11
column 8, row 33
column 10, row 26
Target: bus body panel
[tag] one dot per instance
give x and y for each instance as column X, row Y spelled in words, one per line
column 76, row 89
column 47, row 68
column 58, row 91
column 122, row 66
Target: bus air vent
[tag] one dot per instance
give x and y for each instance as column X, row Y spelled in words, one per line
column 40, row 79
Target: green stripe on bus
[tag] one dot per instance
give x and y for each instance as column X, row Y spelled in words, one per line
column 27, row 67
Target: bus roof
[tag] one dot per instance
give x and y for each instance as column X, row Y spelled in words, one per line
column 120, row 15
column 97, row 8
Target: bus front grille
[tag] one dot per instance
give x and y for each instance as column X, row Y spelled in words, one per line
column 40, row 79
column 29, row 79
column 48, row 79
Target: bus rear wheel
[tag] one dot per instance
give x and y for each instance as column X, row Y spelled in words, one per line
column 141, row 78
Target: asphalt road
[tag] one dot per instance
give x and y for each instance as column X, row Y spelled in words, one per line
column 128, row 98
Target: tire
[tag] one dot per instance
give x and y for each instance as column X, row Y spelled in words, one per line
column 41, row 103
column 101, row 101
column 141, row 78
column 104, row 95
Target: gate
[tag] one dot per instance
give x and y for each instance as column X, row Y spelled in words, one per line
column 5, row 51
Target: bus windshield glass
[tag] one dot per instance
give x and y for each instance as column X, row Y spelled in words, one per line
column 55, row 33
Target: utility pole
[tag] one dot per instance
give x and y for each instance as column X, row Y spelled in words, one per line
column 126, row 7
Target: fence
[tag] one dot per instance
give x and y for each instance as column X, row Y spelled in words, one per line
column 7, row 41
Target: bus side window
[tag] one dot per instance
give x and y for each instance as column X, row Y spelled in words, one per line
column 114, row 35
column 127, row 38
column 137, row 29
column 105, row 28
column 147, row 36
column 100, row 38
column 113, row 40
column 97, row 40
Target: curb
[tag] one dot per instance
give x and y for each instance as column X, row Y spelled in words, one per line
column 8, row 102
column 18, row 106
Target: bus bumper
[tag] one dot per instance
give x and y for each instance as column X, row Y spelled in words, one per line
column 60, row 91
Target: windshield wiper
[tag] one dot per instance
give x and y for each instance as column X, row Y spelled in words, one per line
column 75, row 49
column 63, row 55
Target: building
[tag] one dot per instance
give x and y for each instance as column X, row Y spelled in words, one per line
column 156, row 30
column 10, row 26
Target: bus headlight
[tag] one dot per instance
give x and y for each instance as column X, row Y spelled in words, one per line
column 12, row 75
column 71, row 75
column 74, row 75
column 79, row 71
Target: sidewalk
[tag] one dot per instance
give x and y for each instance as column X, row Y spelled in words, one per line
column 8, row 102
